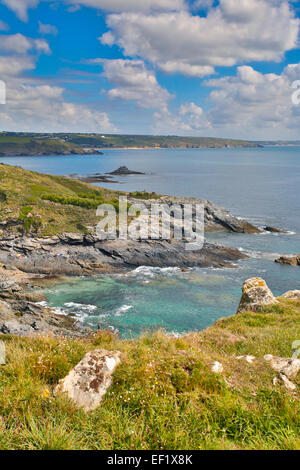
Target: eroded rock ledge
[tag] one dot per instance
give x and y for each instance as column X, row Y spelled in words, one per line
column 73, row 254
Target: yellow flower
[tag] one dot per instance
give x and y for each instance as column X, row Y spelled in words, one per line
column 46, row 393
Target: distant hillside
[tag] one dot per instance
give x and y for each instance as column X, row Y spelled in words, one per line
column 146, row 141
column 68, row 143
column 22, row 145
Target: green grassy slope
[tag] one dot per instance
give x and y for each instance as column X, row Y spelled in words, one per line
column 164, row 395
column 62, row 204
column 141, row 141
column 120, row 141
column 11, row 145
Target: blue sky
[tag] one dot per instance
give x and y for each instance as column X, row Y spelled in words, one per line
column 200, row 67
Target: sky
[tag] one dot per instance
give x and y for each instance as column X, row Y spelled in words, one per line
column 211, row 68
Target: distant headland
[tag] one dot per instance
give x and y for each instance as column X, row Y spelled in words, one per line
column 39, row 144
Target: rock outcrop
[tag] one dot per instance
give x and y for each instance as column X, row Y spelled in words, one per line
column 23, row 312
column 77, row 254
column 292, row 295
column 290, row 260
column 287, row 366
column 123, row 170
column 274, row 230
column 256, row 295
column 216, row 218
column 88, row 382
column 287, row 369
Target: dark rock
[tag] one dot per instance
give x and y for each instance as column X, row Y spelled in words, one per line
column 274, row 230
column 289, row 260
column 123, row 170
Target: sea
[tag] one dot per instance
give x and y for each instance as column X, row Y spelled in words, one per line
column 261, row 185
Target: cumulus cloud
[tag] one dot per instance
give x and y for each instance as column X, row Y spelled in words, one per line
column 231, row 33
column 17, row 43
column 247, row 105
column 32, row 105
column 255, row 103
column 20, row 7
column 43, row 108
column 133, row 81
column 189, row 119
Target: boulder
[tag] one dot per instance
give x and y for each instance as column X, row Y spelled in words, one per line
column 274, row 230
column 256, row 294
column 217, row 367
column 289, row 260
column 292, row 295
column 88, row 382
column 286, row 366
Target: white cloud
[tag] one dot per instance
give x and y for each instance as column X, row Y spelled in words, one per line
column 189, row 119
column 231, row 33
column 20, row 7
column 134, row 81
column 17, row 43
column 248, row 105
column 42, row 108
column 255, row 104
column 47, row 29
column 132, row 5
column 13, row 66
column 31, row 105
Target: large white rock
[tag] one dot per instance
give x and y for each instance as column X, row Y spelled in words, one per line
column 217, row 367
column 292, row 295
column 287, row 366
column 256, row 294
column 88, row 382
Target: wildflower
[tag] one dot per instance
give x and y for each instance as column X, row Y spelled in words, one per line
column 46, row 394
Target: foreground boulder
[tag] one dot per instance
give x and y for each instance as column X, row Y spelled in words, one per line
column 88, row 382
column 292, row 295
column 287, row 369
column 256, row 294
column 289, row 260
column 286, row 366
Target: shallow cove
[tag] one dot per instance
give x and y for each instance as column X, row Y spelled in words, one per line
column 260, row 185
column 146, row 299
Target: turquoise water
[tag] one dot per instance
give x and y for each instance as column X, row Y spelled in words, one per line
column 260, row 185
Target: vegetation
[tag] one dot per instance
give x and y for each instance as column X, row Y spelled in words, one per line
column 146, row 141
column 164, row 394
column 54, row 204
column 29, row 141
column 19, row 144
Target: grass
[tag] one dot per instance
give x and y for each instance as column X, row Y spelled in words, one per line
column 14, row 144
column 164, row 395
column 61, row 204
column 148, row 141
column 56, row 204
